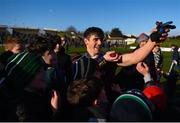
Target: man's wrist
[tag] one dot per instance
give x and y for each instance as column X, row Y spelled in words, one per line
column 154, row 42
column 155, row 37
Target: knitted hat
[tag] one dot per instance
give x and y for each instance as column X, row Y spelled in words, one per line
column 131, row 106
column 142, row 37
column 21, row 69
column 156, row 95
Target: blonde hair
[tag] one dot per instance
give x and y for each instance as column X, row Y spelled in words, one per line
column 10, row 43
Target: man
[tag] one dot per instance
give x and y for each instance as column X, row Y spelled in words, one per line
column 88, row 63
column 64, row 43
column 55, row 77
column 175, row 57
column 158, row 59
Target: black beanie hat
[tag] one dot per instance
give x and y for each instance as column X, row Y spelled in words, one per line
column 131, row 106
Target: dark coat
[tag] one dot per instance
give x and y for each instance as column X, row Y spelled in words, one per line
column 29, row 107
column 65, row 64
column 175, row 55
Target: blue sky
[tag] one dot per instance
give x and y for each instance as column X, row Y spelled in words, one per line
column 130, row 16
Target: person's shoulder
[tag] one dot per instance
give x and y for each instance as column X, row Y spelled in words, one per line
column 6, row 55
column 76, row 58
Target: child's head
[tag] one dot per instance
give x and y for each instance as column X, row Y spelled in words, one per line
column 44, row 48
column 14, row 45
column 84, row 92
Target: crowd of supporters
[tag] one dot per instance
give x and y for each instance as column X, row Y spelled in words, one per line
column 39, row 80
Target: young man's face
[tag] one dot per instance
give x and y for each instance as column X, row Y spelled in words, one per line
column 93, row 44
column 57, row 48
column 50, row 57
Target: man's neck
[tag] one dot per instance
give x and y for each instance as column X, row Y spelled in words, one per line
column 93, row 56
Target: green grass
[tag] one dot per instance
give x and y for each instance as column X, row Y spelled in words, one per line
column 166, row 61
column 76, row 50
column 168, row 42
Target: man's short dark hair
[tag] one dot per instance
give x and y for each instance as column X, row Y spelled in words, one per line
column 94, row 30
column 83, row 92
column 40, row 46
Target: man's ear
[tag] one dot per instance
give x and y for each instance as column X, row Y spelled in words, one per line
column 85, row 40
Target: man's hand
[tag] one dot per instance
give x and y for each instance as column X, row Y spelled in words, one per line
column 142, row 68
column 161, row 32
column 55, row 100
column 111, row 56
